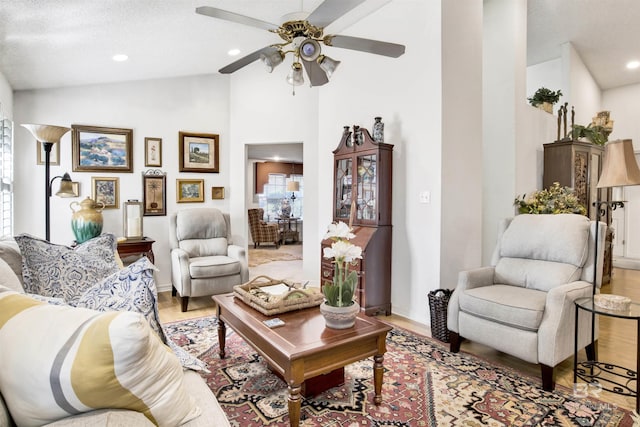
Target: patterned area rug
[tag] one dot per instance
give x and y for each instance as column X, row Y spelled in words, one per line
column 424, row 385
column 263, row 256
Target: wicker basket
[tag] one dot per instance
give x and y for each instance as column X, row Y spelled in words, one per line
column 268, row 304
column 438, row 302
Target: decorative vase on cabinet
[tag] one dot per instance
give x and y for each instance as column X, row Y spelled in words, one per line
column 362, row 192
column 86, row 222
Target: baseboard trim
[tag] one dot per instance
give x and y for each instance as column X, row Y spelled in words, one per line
column 628, row 263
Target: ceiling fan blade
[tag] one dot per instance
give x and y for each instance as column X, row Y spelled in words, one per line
column 330, row 10
column 317, row 76
column 235, row 66
column 234, row 17
column 365, row 45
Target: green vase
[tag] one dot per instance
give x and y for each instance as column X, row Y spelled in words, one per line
column 86, row 221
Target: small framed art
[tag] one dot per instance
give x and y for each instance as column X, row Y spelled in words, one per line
column 190, row 190
column 54, row 156
column 100, row 149
column 154, row 185
column 153, row 152
column 106, row 190
column 217, row 193
column 198, row 152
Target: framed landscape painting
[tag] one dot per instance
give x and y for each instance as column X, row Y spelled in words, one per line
column 198, row 152
column 190, row 190
column 101, row 149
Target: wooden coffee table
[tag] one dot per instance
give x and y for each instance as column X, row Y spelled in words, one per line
column 303, row 348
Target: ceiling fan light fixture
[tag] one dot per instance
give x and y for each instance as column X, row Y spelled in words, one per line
column 309, row 50
column 272, row 60
column 295, row 76
column 329, row 65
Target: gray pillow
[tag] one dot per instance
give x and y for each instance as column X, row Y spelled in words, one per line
column 10, row 253
column 59, row 271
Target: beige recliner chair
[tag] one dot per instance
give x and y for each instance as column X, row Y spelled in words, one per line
column 523, row 304
column 204, row 261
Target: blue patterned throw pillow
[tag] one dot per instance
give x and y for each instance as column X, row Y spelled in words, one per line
column 134, row 289
column 60, row 271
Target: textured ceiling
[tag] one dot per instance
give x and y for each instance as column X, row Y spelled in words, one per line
column 45, row 43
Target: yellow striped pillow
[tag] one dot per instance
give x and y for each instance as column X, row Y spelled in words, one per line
column 59, row 361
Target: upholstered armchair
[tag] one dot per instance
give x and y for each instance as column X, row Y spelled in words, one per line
column 262, row 232
column 523, row 304
column 204, row 261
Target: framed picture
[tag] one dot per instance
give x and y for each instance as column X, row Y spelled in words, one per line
column 190, row 190
column 198, row 152
column 153, row 152
column 105, row 190
column 54, row 156
column 75, row 187
column 100, row 149
column 217, row 193
column 154, row 186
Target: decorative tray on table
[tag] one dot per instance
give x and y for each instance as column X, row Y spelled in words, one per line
column 271, row 296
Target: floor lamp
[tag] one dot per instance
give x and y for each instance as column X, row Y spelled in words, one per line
column 49, row 135
column 620, row 170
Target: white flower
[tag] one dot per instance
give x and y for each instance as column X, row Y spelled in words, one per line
column 343, row 251
column 339, row 230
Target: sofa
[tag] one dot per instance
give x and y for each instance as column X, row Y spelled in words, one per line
column 149, row 373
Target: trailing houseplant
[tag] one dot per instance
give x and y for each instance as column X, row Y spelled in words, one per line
column 544, row 95
column 554, row 200
column 340, row 307
column 595, row 134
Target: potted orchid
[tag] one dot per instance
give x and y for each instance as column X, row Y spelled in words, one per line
column 339, row 294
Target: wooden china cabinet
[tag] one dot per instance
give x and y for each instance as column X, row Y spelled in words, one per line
column 362, row 196
column 578, row 164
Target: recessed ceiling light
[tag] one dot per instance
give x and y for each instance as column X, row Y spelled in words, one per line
column 632, row 65
column 120, row 57
column 234, row 52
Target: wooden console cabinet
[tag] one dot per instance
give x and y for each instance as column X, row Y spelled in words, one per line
column 362, row 182
column 578, row 164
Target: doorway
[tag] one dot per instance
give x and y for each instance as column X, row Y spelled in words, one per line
column 289, row 249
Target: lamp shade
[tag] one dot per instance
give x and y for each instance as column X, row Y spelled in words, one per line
column 46, row 133
column 293, row 186
column 620, row 166
column 329, row 65
column 295, row 77
column 66, row 187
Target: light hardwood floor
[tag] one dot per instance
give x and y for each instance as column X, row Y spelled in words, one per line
column 617, row 341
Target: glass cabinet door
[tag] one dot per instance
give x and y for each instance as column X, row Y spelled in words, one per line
column 343, row 189
column 367, row 197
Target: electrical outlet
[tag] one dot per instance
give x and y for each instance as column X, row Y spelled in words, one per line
column 425, row 197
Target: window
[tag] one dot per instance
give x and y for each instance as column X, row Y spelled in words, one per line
column 275, row 193
column 6, row 176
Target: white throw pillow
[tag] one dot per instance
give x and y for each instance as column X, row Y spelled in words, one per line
column 59, row 361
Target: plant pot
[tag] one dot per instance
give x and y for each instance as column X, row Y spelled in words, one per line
column 546, row 106
column 339, row 317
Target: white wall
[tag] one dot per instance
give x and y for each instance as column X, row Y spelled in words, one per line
column 461, row 182
column 624, row 103
column 6, row 97
column 583, row 92
column 152, row 108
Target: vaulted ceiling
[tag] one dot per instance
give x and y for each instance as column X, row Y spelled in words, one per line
column 47, row 43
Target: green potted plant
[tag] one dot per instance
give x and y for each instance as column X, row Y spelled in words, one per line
column 339, row 308
column 545, row 98
column 595, row 134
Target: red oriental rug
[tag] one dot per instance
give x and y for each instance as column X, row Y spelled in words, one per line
column 424, row 385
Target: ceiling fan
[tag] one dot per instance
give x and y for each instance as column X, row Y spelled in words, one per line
column 303, row 38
